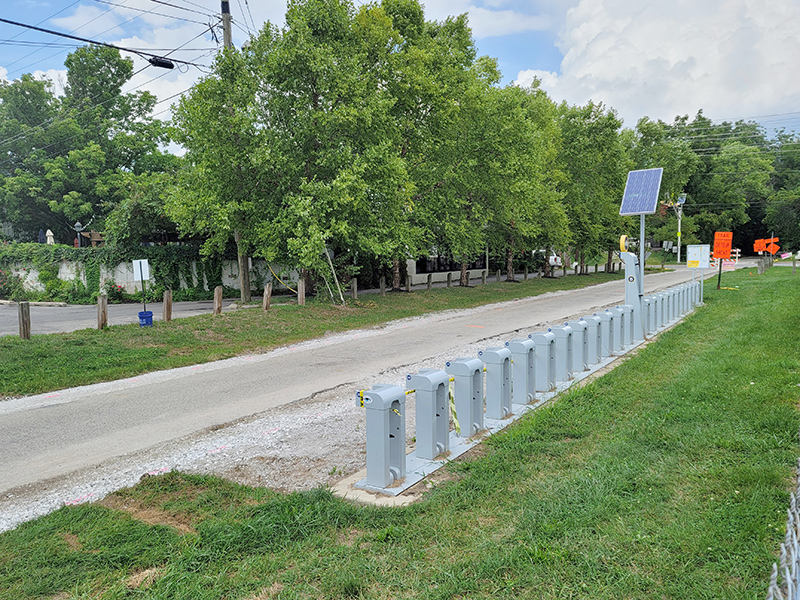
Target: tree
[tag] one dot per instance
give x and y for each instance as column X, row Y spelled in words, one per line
column 69, row 158
column 595, row 164
column 304, row 154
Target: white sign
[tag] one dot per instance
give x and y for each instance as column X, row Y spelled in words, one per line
column 697, row 256
column 141, row 270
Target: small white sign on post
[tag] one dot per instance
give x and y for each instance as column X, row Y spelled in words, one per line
column 697, row 256
column 141, row 270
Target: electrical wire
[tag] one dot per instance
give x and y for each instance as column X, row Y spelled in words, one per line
column 57, row 53
column 52, row 122
column 43, row 21
column 88, row 41
column 149, row 12
column 205, row 14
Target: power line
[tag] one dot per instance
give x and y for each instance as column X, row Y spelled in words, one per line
column 88, row 41
column 205, row 14
column 149, row 12
column 57, row 53
column 52, row 122
column 247, row 4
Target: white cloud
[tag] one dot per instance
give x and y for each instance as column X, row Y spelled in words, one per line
column 88, row 21
column 732, row 58
column 487, row 22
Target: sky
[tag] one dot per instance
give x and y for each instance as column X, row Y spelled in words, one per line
column 734, row 59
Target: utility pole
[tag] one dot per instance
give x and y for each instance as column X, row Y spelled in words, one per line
column 243, row 259
column 227, row 38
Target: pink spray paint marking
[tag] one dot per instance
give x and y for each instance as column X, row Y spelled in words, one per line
column 80, row 500
column 158, row 471
column 220, row 449
column 53, row 396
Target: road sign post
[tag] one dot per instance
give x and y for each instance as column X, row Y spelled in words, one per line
column 697, row 257
column 723, row 240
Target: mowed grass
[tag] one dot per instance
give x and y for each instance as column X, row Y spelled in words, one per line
column 667, row 478
column 57, row 361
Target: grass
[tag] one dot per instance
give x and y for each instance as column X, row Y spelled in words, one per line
column 57, row 361
column 666, row 478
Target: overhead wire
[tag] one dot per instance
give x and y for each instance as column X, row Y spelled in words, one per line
column 57, row 53
column 167, row 99
column 149, row 12
column 51, row 122
column 89, row 41
column 205, row 13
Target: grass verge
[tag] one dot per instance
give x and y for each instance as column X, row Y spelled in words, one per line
column 57, row 361
column 667, row 478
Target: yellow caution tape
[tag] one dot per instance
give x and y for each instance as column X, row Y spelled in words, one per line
column 456, row 424
column 286, row 285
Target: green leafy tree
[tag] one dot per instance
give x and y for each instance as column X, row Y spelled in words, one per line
column 304, row 156
column 595, row 162
column 68, row 159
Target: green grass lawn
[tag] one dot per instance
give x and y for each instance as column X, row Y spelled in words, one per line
column 667, row 478
column 56, row 361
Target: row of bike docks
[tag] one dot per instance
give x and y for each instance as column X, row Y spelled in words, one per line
column 501, row 384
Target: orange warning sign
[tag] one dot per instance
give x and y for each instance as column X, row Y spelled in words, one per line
column 773, row 249
column 760, row 246
column 722, row 244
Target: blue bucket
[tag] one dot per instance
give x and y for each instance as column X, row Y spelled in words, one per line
column 146, row 318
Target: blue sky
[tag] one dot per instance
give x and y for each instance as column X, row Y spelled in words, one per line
column 658, row 58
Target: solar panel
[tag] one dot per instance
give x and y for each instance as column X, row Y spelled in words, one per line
column 641, row 192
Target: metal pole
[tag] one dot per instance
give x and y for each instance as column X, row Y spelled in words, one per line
column 680, row 215
column 141, row 275
column 641, row 256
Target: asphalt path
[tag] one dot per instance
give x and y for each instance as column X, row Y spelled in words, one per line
column 60, row 318
column 51, row 435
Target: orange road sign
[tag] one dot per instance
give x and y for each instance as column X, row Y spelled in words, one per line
column 760, row 246
column 773, row 248
column 722, row 244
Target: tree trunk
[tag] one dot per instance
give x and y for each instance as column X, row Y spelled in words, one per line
column 463, row 280
column 395, row 273
column 609, row 263
column 547, row 266
column 510, row 264
column 244, row 269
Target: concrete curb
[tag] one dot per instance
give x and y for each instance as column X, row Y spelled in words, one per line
column 57, row 304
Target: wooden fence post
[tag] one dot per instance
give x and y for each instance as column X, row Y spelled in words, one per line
column 301, row 291
column 408, row 282
column 430, row 281
column 498, row 275
column 483, row 276
column 24, row 309
column 383, row 285
column 267, row 297
column 354, row 287
column 102, row 312
column 217, row 300
column 166, row 311
column 525, row 274
column 449, row 279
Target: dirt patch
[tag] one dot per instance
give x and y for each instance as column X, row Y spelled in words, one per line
column 72, row 542
column 143, row 579
column 148, row 515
